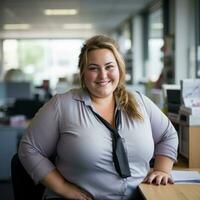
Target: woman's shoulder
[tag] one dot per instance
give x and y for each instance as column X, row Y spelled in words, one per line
column 69, row 98
column 140, row 97
column 69, row 95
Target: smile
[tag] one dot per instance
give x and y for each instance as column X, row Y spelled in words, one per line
column 103, row 83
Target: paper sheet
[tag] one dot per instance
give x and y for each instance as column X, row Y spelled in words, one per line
column 185, row 176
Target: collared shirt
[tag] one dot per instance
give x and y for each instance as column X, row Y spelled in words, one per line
column 83, row 145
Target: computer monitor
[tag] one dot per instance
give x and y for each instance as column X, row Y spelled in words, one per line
column 166, row 87
column 174, row 96
column 18, row 90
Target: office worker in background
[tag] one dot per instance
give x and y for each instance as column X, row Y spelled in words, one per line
column 104, row 137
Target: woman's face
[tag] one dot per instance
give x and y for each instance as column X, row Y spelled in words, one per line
column 101, row 75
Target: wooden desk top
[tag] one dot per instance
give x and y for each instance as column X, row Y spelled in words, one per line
column 171, row 192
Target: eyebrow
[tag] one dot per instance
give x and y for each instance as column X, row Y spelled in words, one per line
column 98, row 65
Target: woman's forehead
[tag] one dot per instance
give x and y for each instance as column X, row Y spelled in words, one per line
column 101, row 55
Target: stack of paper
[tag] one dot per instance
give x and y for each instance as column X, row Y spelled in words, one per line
column 190, row 91
column 185, row 176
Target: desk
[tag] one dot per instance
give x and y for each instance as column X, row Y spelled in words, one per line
column 189, row 147
column 189, row 138
column 171, row 192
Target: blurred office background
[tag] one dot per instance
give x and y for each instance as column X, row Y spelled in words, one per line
column 40, row 41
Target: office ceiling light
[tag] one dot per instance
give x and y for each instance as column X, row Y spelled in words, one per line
column 77, row 26
column 16, row 26
column 60, row 11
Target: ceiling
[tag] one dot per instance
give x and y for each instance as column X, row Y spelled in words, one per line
column 103, row 15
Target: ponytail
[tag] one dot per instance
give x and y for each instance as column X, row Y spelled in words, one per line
column 128, row 103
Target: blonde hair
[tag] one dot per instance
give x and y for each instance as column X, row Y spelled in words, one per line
column 127, row 100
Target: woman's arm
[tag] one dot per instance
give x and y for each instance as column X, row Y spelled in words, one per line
column 161, row 171
column 166, row 143
column 38, row 144
column 163, row 132
column 58, row 184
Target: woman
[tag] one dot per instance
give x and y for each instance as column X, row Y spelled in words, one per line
column 80, row 128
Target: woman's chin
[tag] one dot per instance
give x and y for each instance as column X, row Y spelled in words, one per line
column 103, row 94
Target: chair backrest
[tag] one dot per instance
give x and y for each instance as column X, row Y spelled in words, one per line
column 27, row 107
column 23, row 186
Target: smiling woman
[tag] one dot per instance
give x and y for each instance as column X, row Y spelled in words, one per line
column 103, row 136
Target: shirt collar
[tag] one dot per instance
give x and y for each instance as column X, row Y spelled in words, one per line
column 83, row 95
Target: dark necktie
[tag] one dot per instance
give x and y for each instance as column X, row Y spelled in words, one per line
column 119, row 155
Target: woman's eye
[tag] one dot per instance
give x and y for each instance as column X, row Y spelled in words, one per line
column 93, row 68
column 109, row 67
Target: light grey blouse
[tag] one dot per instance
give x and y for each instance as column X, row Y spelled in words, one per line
column 83, row 145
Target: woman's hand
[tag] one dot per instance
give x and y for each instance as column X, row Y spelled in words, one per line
column 158, row 177
column 55, row 181
column 161, row 171
column 76, row 193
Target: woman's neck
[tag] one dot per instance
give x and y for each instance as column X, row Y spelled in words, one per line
column 103, row 102
column 105, row 107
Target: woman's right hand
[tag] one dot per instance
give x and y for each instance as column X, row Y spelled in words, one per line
column 76, row 193
column 55, row 182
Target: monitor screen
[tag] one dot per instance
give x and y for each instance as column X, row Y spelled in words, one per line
column 174, row 96
column 18, row 90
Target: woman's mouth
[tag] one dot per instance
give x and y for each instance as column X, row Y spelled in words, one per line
column 103, row 83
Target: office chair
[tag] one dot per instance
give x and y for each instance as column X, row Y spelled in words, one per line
column 27, row 107
column 23, row 186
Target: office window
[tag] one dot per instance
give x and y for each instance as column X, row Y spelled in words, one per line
column 42, row 59
column 155, row 42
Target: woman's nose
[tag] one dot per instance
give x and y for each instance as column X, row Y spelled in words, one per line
column 102, row 73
